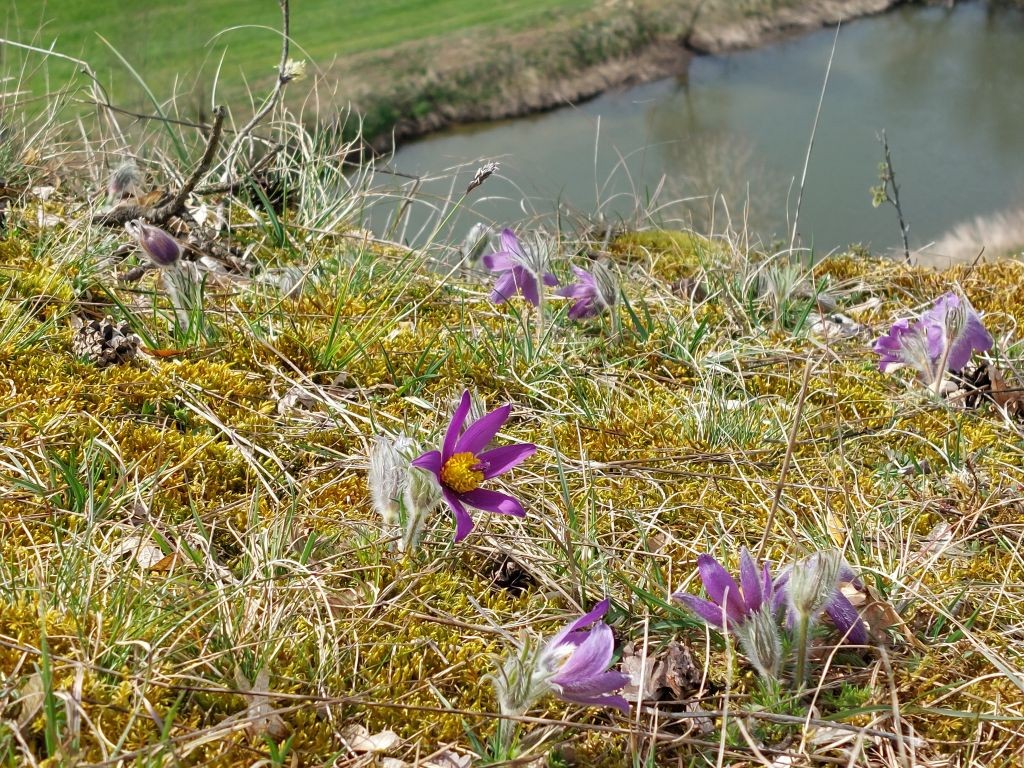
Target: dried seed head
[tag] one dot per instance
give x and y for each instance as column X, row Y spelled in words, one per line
column 483, row 173
column 162, row 249
column 293, row 70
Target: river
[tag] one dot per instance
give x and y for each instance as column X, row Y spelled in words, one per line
column 946, row 85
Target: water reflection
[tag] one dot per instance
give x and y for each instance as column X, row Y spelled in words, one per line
column 946, row 85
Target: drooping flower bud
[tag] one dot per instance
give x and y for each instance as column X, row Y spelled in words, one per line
column 124, row 181
column 759, row 638
column 162, row 249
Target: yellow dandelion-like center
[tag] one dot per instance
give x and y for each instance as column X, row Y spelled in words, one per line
column 460, row 473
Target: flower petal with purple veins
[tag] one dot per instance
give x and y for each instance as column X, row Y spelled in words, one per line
column 504, row 289
column 847, row 619
column 720, row 586
column 499, row 261
column 750, row 581
column 510, row 243
column 590, row 658
column 499, row 460
column 482, row 431
column 430, row 461
column 463, row 521
column 493, row 501
column 527, row 285
column 458, row 419
column 709, row 612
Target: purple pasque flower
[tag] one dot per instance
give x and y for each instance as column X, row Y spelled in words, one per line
column 162, row 249
column 519, row 267
column 575, row 662
column 950, row 331
column 964, row 331
column 811, row 585
column 594, row 292
column 732, row 602
column 462, row 465
column 745, row 609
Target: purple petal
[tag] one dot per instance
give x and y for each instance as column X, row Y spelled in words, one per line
column 890, row 347
column 500, row 460
column 583, row 308
column 482, row 431
column 972, row 338
column 549, row 280
column 431, row 461
column 721, row 587
column 493, row 501
column 750, row 580
column 527, row 285
column 595, row 613
column 589, row 659
column 600, row 701
column 846, row 619
column 458, row 419
column 463, row 522
column 709, row 612
column 499, row 261
column 510, row 243
column 504, row 289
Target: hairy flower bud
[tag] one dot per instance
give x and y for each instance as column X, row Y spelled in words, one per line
column 388, row 476
column 477, row 239
column 124, row 181
column 162, row 249
column 812, row 582
column 759, row 638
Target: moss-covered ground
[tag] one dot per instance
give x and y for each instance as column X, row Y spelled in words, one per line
column 193, row 525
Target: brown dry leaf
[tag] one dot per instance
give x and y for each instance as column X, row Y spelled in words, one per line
column 672, row 676
column 1009, row 398
column 164, row 564
column 136, row 549
column 30, row 697
column 260, row 715
column 878, row 614
column 359, row 739
column 448, row 759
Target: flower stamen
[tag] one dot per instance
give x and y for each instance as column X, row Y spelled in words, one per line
column 462, row 473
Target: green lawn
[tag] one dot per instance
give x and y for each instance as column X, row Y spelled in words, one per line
column 165, row 41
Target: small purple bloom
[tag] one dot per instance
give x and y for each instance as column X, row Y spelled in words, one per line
column 733, row 603
column 834, row 603
column 462, row 465
column 576, row 662
column 594, row 292
column 951, row 330
column 162, row 249
column 519, row 267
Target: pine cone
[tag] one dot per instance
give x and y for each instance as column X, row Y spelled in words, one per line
column 104, row 343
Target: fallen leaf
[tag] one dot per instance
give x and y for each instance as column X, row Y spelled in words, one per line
column 359, row 739
column 671, row 676
column 260, row 715
column 31, row 698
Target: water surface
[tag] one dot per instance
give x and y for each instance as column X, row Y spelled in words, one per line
column 947, row 86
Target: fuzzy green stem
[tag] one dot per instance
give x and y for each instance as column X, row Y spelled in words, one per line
column 802, row 631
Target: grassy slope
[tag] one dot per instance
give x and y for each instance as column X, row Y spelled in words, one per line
column 167, row 40
column 652, row 448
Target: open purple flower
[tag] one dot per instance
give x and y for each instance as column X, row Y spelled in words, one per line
column 732, row 602
column 462, row 465
column 575, row 662
column 594, row 292
column 519, row 268
column 162, row 249
column 943, row 338
column 811, row 585
column 746, row 609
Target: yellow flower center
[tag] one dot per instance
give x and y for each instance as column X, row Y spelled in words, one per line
column 460, row 473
